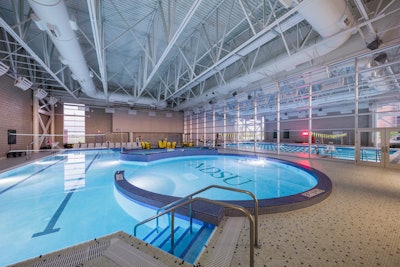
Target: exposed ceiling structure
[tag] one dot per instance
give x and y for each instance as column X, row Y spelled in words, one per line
column 178, row 55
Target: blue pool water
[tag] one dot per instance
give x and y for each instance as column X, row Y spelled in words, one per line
column 61, row 201
column 182, row 176
column 70, row 198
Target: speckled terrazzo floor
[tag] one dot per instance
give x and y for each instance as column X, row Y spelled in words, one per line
column 357, row 225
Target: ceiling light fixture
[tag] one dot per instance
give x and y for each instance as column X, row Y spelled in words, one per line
column 23, row 83
column 52, row 100
column 3, row 68
column 40, row 93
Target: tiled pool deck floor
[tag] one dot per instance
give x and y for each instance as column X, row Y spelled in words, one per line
column 357, row 225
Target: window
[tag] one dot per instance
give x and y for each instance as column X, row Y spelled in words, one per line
column 74, row 123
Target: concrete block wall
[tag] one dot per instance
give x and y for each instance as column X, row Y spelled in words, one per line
column 16, row 114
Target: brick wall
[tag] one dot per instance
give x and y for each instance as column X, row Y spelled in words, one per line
column 15, row 113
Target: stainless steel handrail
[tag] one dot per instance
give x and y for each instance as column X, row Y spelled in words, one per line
column 190, row 196
column 215, row 202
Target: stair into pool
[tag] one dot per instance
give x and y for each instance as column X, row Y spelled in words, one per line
column 187, row 245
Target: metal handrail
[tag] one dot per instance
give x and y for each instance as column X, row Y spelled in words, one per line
column 190, row 196
column 215, row 202
column 378, row 155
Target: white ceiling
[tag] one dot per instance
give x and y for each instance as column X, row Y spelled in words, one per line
column 178, row 55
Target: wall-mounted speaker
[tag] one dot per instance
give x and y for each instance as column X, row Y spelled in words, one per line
column 12, row 138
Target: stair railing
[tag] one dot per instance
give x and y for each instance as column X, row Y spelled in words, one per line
column 172, row 204
column 215, row 202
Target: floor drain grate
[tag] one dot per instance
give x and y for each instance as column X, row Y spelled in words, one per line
column 75, row 257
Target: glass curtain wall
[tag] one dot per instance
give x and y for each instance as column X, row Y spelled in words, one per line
column 312, row 114
column 74, row 123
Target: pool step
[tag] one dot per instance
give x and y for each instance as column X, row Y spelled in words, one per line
column 187, row 245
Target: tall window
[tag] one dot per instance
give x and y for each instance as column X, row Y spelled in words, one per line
column 74, row 123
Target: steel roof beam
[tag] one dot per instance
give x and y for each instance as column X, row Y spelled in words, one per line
column 171, row 44
column 98, row 35
column 21, row 42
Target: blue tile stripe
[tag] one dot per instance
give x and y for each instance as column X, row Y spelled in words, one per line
column 50, row 226
column 30, row 176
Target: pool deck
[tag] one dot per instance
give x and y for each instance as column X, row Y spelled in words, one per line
column 13, row 162
column 357, row 225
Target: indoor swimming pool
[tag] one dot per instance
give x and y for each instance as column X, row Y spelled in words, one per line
column 70, row 198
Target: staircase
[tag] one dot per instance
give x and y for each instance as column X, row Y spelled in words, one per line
column 169, row 241
column 187, row 245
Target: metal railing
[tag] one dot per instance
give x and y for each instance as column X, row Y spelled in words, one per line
column 219, row 203
column 364, row 155
column 205, row 189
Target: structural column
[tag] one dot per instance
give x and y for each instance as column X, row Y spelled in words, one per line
column 356, row 134
column 35, row 123
column 278, row 118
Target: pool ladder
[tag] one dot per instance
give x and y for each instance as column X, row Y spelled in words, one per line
column 189, row 199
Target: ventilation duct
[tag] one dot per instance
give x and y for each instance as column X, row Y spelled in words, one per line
column 52, row 16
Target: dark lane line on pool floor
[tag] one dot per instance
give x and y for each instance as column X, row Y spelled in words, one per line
column 50, row 226
column 30, row 176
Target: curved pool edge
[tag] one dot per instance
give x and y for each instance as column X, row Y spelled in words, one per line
column 293, row 202
column 144, row 155
column 205, row 212
column 213, row 214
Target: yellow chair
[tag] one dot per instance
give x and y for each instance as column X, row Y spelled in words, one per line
column 168, row 144
column 164, row 144
column 173, row 145
column 143, row 145
column 190, row 144
column 147, row 144
column 161, row 144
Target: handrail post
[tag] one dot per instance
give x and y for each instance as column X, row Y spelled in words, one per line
column 191, row 216
column 189, row 201
column 253, row 242
column 157, row 224
column 256, row 224
column 172, row 231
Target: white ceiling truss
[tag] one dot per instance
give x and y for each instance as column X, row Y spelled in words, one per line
column 185, row 54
